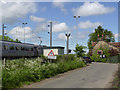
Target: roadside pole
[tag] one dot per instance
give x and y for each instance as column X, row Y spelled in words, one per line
column 68, row 35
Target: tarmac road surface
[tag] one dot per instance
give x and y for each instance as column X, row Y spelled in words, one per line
column 96, row 75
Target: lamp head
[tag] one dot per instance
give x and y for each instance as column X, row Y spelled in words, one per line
column 66, row 34
column 74, row 16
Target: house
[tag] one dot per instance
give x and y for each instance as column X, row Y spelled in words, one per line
column 103, row 44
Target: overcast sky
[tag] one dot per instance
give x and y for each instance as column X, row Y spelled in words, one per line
column 39, row 14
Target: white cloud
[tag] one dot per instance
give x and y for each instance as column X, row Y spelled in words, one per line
column 37, row 19
column 117, row 35
column 83, row 35
column 42, row 27
column 11, row 12
column 62, row 36
column 89, row 9
column 60, row 27
column 59, row 4
column 88, row 24
column 18, row 33
column 43, row 9
column 56, row 27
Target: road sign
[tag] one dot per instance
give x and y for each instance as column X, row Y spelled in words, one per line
column 51, row 55
column 100, row 52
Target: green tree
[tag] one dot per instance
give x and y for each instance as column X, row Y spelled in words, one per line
column 104, row 34
column 7, row 38
column 79, row 50
column 96, row 57
column 17, row 41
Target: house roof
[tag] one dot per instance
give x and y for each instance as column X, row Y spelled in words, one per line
column 115, row 44
column 94, row 43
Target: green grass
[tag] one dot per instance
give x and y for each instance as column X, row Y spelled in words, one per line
column 16, row 73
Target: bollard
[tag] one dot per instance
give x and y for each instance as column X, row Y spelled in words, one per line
column 4, row 61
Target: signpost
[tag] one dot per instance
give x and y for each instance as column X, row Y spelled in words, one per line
column 51, row 55
column 100, row 52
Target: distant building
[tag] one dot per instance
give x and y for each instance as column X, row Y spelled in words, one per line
column 103, row 44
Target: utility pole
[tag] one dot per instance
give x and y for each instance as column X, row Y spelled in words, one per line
column 68, row 35
column 3, row 31
column 40, row 40
column 24, row 31
column 76, row 17
column 50, row 33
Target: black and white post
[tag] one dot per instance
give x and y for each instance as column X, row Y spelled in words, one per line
column 68, row 35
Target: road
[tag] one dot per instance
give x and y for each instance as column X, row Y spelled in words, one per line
column 96, row 75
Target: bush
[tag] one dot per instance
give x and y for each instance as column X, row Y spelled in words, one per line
column 31, row 70
column 61, row 58
column 96, row 57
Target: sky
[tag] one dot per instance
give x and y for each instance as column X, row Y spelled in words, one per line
column 38, row 16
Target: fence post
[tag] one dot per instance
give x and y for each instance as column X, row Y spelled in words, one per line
column 4, row 61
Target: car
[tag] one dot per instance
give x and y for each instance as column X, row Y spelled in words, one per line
column 87, row 59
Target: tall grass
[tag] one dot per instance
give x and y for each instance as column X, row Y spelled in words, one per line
column 16, row 73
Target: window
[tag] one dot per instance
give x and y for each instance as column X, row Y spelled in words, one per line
column 27, row 49
column 11, row 48
column 16, row 48
column 22, row 48
column 5, row 47
column 31, row 49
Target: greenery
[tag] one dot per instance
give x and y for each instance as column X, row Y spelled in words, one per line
column 79, row 50
column 7, row 38
column 18, row 72
column 96, row 57
column 113, row 59
column 104, row 34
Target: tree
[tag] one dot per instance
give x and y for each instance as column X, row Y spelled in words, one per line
column 103, row 34
column 7, row 38
column 79, row 50
column 17, row 41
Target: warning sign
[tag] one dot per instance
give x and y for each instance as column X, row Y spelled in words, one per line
column 51, row 53
column 100, row 52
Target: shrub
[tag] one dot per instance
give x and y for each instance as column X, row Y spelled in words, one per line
column 19, row 72
column 96, row 57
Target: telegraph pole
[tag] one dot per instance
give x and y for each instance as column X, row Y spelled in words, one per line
column 68, row 35
column 40, row 40
column 3, row 31
column 50, row 34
